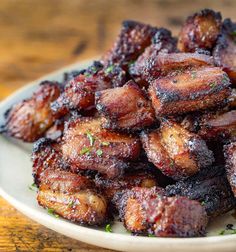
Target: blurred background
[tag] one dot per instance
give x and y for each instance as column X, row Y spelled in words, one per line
column 39, row 36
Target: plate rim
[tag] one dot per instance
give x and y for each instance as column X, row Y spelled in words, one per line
column 48, row 220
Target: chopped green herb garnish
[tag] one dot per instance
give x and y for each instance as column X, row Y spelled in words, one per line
column 222, row 232
column 105, row 143
column 85, row 150
column 108, row 228
column 52, row 212
column 233, row 33
column 71, row 204
column 99, row 152
column 91, row 138
column 33, row 187
column 130, row 63
column 172, row 163
column 86, row 74
column 212, row 84
column 151, row 235
column 109, row 69
column 193, row 75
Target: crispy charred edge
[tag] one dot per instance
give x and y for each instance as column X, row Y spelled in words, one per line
column 190, row 38
column 126, row 48
column 162, row 41
column 75, row 190
column 230, row 153
column 215, row 96
column 112, row 115
column 156, row 67
column 138, row 178
column 226, row 37
column 218, row 200
column 53, row 90
column 45, row 156
column 137, row 194
column 196, row 147
column 176, row 217
column 220, row 125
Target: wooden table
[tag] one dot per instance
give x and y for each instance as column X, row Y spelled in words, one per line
column 38, row 37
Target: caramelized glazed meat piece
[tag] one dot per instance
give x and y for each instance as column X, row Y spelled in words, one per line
column 86, row 145
column 46, row 155
column 148, row 211
column 161, row 42
column 72, row 197
column 129, row 180
column 80, row 90
column 164, row 63
column 190, row 90
column 200, row 31
column 175, row 151
column 29, row 119
column 125, row 108
column 134, row 37
column 224, row 52
column 210, row 187
column 219, row 124
column 230, row 159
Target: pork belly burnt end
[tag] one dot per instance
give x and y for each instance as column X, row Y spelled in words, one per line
column 146, row 211
column 219, row 125
column 230, row 159
column 29, row 119
column 177, row 152
column 139, row 178
column 217, row 200
column 224, row 52
column 87, row 146
column 161, row 42
column 164, row 63
column 190, row 90
column 125, row 108
column 80, row 90
column 200, row 31
column 46, row 155
column 72, row 197
column 134, row 37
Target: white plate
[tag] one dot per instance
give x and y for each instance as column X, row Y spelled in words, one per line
column 15, row 177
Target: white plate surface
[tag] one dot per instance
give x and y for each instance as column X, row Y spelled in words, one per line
column 15, row 177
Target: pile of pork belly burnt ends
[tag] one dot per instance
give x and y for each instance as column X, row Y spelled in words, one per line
column 147, row 133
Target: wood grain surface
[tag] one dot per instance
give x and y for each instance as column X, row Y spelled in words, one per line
column 39, row 36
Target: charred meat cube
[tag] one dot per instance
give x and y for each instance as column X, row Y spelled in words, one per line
column 138, row 178
column 190, row 90
column 164, row 63
column 28, row 120
column 224, row 52
column 148, row 211
column 200, row 31
column 177, row 152
column 210, row 187
column 230, row 159
column 134, row 37
column 86, row 145
column 161, row 42
column 72, row 197
column 125, row 108
column 219, row 124
column 79, row 91
column 46, row 155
